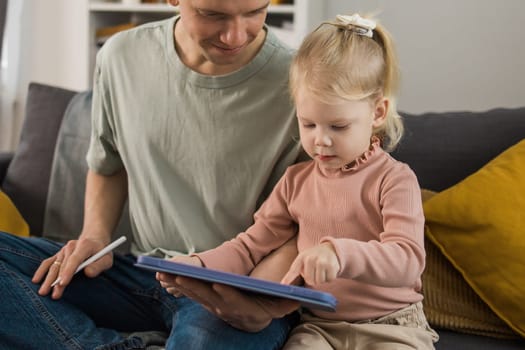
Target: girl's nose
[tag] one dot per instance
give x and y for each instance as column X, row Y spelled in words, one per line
column 322, row 139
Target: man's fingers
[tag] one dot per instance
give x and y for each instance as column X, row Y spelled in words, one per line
column 201, row 292
column 274, row 306
column 64, row 264
column 168, row 282
column 47, row 271
column 97, row 267
column 42, row 270
column 174, row 291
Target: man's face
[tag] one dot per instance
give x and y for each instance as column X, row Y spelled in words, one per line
column 222, row 32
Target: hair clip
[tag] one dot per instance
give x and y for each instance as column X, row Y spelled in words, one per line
column 359, row 25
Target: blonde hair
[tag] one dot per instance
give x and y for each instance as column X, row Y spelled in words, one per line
column 336, row 61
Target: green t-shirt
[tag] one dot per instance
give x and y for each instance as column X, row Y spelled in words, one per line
column 201, row 152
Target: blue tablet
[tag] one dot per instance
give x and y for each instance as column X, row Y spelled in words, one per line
column 307, row 297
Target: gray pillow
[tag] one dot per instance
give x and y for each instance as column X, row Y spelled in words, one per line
column 65, row 201
column 444, row 148
column 27, row 177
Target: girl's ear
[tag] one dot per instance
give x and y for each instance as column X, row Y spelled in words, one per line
column 173, row 2
column 380, row 112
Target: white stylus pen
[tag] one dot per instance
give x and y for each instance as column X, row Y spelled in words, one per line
column 97, row 256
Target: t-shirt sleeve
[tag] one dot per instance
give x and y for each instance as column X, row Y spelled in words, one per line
column 103, row 156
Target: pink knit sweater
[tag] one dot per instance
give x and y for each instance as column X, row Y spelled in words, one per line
column 371, row 212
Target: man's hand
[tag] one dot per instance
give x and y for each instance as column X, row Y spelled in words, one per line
column 65, row 262
column 104, row 200
column 246, row 312
column 167, row 280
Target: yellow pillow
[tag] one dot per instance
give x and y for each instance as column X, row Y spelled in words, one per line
column 479, row 225
column 10, row 219
column 450, row 303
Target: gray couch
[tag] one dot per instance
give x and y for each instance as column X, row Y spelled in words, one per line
column 45, row 178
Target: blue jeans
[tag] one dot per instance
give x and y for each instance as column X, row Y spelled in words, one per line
column 93, row 313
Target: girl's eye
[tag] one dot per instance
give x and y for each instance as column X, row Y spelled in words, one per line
column 309, row 126
column 339, row 127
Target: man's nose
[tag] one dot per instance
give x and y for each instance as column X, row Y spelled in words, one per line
column 234, row 35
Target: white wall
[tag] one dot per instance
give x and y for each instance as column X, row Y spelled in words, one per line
column 454, row 54
column 56, row 50
column 53, row 51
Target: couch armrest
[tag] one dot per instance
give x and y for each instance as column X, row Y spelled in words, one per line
column 5, row 159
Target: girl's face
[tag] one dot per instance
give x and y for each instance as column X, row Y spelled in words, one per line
column 337, row 134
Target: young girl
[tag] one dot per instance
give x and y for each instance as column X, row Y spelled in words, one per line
column 356, row 211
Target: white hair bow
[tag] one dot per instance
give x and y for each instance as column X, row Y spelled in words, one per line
column 360, row 25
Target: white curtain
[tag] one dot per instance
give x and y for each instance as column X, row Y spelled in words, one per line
column 10, row 75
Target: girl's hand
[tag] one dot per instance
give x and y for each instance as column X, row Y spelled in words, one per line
column 315, row 265
column 168, row 281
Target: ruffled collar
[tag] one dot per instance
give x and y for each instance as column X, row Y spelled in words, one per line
column 375, row 145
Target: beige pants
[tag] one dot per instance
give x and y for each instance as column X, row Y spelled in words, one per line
column 403, row 329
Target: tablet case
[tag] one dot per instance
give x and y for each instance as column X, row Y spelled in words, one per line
column 307, row 297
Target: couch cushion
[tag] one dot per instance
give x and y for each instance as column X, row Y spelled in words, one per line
column 478, row 225
column 64, row 205
column 5, row 159
column 444, row 148
column 65, row 201
column 449, row 340
column 10, row 219
column 450, row 303
column 27, row 178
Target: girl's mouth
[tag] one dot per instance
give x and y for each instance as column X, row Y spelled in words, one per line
column 324, row 158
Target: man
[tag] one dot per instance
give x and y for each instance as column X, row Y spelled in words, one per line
column 193, row 124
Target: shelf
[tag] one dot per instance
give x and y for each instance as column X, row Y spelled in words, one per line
column 118, row 7
column 282, row 9
column 165, row 8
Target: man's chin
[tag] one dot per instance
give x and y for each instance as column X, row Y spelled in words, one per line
column 222, row 57
column 225, row 61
